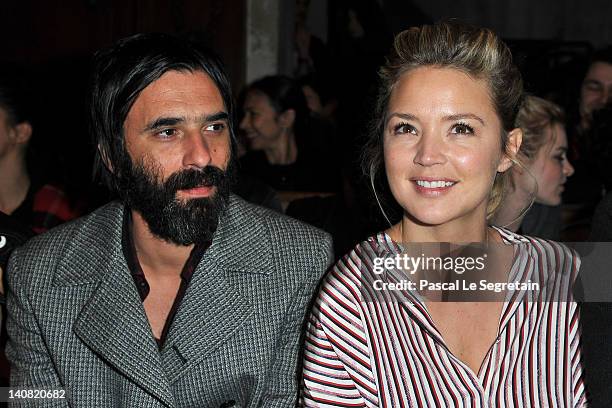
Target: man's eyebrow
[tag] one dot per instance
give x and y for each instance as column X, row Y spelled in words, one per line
column 162, row 122
column 592, row 81
column 173, row 121
column 460, row 116
column 216, row 116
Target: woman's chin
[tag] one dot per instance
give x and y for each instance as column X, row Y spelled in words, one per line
column 549, row 201
column 430, row 219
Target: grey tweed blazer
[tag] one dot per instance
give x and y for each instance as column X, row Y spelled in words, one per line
column 75, row 319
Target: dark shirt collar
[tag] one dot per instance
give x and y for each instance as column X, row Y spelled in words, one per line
column 131, row 257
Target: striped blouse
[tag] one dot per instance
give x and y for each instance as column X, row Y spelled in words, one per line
column 364, row 349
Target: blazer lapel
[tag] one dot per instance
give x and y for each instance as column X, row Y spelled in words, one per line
column 113, row 323
column 211, row 312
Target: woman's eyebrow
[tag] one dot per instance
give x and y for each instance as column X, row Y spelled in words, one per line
column 405, row 116
column 460, row 116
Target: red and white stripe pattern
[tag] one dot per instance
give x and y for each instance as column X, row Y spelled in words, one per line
column 367, row 348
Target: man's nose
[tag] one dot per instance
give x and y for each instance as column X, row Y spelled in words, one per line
column 196, row 151
column 429, row 151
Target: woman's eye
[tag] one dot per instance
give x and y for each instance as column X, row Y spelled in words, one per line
column 462, row 128
column 403, row 128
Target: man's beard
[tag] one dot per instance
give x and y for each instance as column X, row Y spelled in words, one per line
column 182, row 222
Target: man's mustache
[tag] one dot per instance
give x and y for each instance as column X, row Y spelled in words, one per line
column 208, row 176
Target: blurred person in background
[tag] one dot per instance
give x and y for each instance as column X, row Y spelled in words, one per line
column 24, row 195
column 585, row 189
column 540, row 181
column 596, row 89
column 320, row 97
column 288, row 151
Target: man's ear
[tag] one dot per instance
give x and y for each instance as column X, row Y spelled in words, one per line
column 515, row 138
column 105, row 158
column 23, row 132
column 287, row 118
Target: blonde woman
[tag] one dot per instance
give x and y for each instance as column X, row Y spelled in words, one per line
column 444, row 141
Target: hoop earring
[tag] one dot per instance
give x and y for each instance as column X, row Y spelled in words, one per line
column 376, row 197
column 534, row 194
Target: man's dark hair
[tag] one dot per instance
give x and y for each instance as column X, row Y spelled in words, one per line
column 602, row 55
column 122, row 71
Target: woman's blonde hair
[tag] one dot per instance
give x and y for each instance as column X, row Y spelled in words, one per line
column 535, row 117
column 475, row 51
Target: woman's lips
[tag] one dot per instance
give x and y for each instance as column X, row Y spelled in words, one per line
column 431, row 187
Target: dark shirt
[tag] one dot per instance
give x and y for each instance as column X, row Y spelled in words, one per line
column 131, row 257
column 307, row 173
column 316, row 168
column 542, row 221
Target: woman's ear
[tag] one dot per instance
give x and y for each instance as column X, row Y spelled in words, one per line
column 287, row 118
column 22, row 132
column 513, row 144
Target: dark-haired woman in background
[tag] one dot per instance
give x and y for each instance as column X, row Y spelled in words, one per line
column 288, row 150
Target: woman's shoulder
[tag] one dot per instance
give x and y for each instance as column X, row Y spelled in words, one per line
column 549, row 258
column 377, row 245
column 538, row 246
column 361, row 260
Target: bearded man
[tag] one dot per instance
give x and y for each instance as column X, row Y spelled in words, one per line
column 179, row 294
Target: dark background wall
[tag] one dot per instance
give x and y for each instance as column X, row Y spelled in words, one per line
column 566, row 20
column 36, row 31
column 52, row 41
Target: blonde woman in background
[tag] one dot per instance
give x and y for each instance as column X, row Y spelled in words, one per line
column 546, row 168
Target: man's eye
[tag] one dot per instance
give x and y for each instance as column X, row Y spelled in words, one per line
column 462, row 128
column 166, row 133
column 593, row 87
column 404, row 128
column 215, row 127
